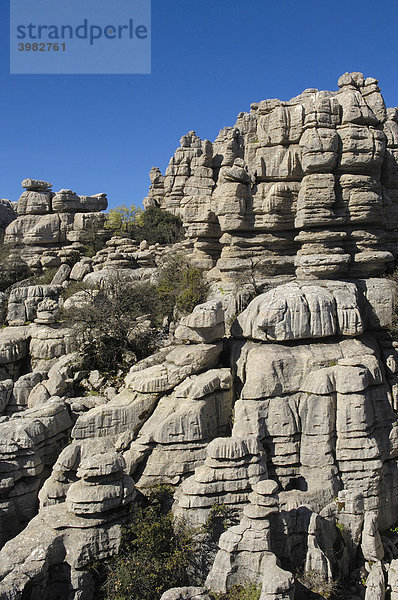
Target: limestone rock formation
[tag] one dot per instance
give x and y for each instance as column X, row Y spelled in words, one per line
column 275, row 400
column 305, row 186
column 29, row 445
column 7, row 216
column 49, row 225
column 56, row 548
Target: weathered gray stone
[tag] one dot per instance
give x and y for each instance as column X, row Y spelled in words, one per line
column 186, row 593
column 36, row 184
column 29, row 444
column 23, row 302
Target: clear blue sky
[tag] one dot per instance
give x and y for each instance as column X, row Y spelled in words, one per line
column 210, row 60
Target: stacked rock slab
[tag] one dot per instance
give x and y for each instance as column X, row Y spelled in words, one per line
column 14, row 351
column 245, row 550
column 323, row 409
column 23, row 302
column 171, row 406
column 315, row 402
column 53, row 555
column 29, row 445
column 7, row 215
column 175, row 437
column 173, row 441
column 308, row 185
column 123, row 253
column 51, row 227
column 231, row 468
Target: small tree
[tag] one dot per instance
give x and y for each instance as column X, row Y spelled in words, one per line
column 120, row 322
column 155, row 555
column 158, row 226
column 123, row 219
column 155, row 225
column 181, row 285
column 95, row 238
column 111, row 328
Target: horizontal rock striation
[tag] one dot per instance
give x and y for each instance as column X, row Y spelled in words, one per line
column 29, row 445
column 275, row 401
column 51, row 227
column 306, row 186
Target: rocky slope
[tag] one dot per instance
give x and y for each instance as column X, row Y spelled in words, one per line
column 283, row 408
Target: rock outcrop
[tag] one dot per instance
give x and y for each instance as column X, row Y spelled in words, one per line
column 306, row 186
column 53, row 227
column 279, row 407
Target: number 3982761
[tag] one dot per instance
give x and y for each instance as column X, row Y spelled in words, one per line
column 42, row 47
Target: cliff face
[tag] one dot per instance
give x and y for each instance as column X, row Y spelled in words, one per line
column 49, row 227
column 284, row 408
column 307, row 186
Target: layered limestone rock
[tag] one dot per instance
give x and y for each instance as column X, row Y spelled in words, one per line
column 283, row 409
column 48, row 343
column 171, row 406
column 173, row 440
column 52, row 227
column 205, row 324
column 23, row 302
column 232, row 466
column 54, row 553
column 30, row 443
column 245, row 550
column 324, row 414
column 14, row 351
column 306, row 185
column 123, row 253
column 7, row 215
column 315, row 403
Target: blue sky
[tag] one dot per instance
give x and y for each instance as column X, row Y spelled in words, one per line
column 210, row 60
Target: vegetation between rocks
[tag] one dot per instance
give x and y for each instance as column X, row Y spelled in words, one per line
column 159, row 551
column 153, row 224
column 120, row 322
column 248, row 591
column 313, row 585
column 156, row 553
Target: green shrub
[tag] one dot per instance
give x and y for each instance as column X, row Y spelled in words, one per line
column 181, row 285
column 340, row 527
column 155, row 555
column 44, row 278
column 121, row 322
column 72, row 288
column 94, row 238
column 316, row 583
column 154, row 224
column 122, row 220
column 158, row 226
column 12, row 268
column 220, row 518
column 248, row 591
column 109, row 328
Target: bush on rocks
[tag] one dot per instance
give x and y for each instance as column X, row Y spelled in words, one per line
column 122, row 219
column 115, row 325
column 155, row 225
column 12, row 268
column 181, row 285
column 155, row 555
column 158, row 226
column 249, row 591
column 121, row 321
